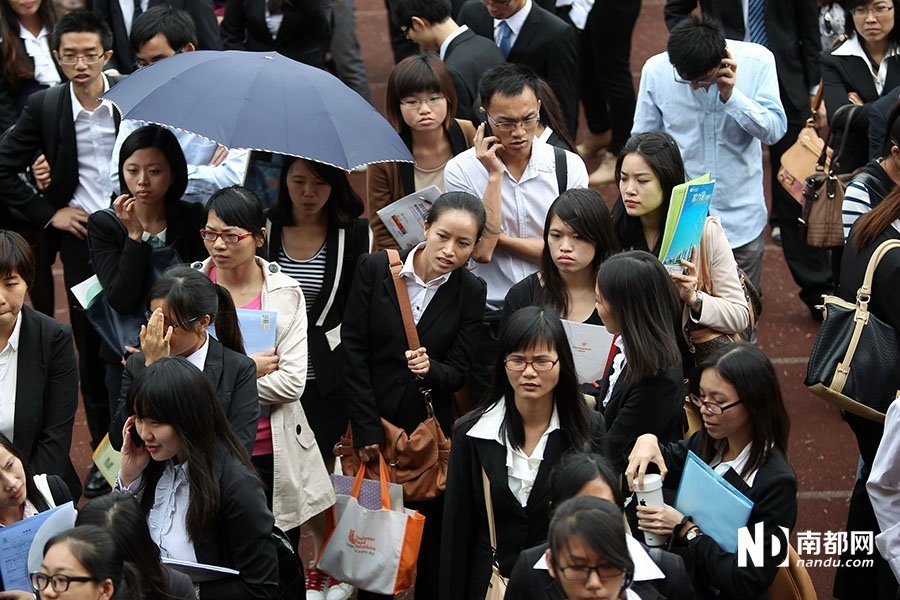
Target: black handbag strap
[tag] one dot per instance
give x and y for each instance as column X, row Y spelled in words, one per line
column 848, row 110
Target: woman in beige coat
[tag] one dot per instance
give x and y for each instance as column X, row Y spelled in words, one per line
column 285, row 451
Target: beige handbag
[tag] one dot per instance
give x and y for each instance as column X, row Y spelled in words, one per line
column 799, row 161
column 498, row 583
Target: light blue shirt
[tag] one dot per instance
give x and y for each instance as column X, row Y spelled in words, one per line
column 722, row 138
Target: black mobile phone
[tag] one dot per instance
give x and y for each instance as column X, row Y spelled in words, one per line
column 135, row 436
column 487, row 126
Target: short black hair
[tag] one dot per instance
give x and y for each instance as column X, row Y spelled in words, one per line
column 507, row 80
column 696, row 45
column 176, row 25
column 850, row 27
column 16, row 257
column 82, row 21
column 433, row 11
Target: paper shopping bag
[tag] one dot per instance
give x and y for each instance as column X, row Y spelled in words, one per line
column 374, row 550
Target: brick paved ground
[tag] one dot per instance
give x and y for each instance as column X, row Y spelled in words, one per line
column 822, row 449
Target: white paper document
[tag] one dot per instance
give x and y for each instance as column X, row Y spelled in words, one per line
column 590, row 348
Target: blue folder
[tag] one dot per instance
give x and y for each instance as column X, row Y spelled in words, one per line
column 716, row 506
column 257, row 328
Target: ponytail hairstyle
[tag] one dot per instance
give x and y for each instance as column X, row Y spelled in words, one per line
column 120, row 514
column 32, row 493
column 551, row 114
column 876, row 222
column 461, row 201
column 94, row 548
column 190, row 294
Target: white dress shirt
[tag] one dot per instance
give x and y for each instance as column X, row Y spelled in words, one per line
column 127, row 7
column 446, row 43
column 198, row 358
column 95, row 135
column 737, row 463
column 38, row 48
column 515, row 23
column 618, row 365
column 273, row 22
column 884, row 489
column 203, row 179
column 420, row 292
column 524, row 204
column 521, row 469
column 9, row 371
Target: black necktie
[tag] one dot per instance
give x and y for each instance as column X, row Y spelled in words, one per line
column 137, row 11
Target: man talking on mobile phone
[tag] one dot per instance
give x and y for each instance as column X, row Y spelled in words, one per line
column 720, row 101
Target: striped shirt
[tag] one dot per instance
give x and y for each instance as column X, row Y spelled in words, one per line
column 310, row 274
column 856, row 204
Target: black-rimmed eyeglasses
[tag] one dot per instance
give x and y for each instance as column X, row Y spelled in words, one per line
column 60, row 583
column 711, row 407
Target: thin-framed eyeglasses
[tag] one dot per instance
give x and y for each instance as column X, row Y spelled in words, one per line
column 59, row 582
column 538, row 364
column 526, row 123
column 583, row 572
column 228, row 237
column 680, row 79
column 141, row 63
column 879, row 10
column 413, row 103
column 711, row 407
column 167, row 324
column 88, row 59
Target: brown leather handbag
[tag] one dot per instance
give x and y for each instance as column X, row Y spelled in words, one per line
column 800, row 160
column 417, row 461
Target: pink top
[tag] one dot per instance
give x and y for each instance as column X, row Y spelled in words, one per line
column 263, row 444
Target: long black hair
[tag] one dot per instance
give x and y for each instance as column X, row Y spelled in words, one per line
column 646, row 307
column 343, row 206
column 95, row 549
column 121, row 515
column 189, row 294
column 32, row 493
column 174, row 391
column 661, row 153
column 17, row 68
column 583, row 210
column 154, row 136
column 527, row 328
column 753, row 377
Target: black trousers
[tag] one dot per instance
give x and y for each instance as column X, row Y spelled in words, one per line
column 91, row 368
column 607, row 88
column 810, row 267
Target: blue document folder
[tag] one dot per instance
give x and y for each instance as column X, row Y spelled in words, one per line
column 257, row 327
column 716, row 506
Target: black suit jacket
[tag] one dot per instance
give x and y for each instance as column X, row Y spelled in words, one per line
column 46, row 126
column 377, row 380
column 774, row 496
column 792, row 28
column 465, row 543
column 545, row 43
column 652, row 405
column 305, row 24
column 345, row 245
column 46, row 396
column 231, row 374
column 202, row 12
column 467, row 58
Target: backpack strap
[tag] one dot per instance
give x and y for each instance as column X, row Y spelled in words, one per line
column 562, row 169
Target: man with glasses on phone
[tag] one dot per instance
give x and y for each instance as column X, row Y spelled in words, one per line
column 518, row 177
column 157, row 34
column 720, row 101
column 75, row 130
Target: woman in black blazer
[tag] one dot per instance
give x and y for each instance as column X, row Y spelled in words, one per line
column 316, row 237
column 225, row 521
column 383, row 376
column 46, row 389
column 744, row 438
column 642, row 390
column 189, row 302
column 869, row 232
column 532, row 416
column 147, row 229
column 298, row 29
column 862, row 69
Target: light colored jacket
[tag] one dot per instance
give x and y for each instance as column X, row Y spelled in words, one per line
column 301, row 487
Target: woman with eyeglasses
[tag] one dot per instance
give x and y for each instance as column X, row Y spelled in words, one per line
column 146, row 230
column 83, row 563
column 532, row 415
column 744, row 438
column 182, row 306
column 861, row 70
column 420, row 104
column 285, row 451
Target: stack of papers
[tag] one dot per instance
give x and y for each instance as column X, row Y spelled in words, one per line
column 405, row 218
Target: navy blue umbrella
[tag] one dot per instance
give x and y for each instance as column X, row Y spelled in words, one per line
column 261, row 101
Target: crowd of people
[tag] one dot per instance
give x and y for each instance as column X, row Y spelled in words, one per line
column 226, row 450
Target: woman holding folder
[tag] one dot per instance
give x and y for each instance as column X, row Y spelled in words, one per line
column 744, row 438
column 648, row 167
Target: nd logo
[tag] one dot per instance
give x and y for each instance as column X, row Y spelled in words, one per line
column 754, row 545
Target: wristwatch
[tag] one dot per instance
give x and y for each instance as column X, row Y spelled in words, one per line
column 693, row 533
column 697, row 306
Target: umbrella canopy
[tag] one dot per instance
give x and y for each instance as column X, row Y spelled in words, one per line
column 260, row 101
